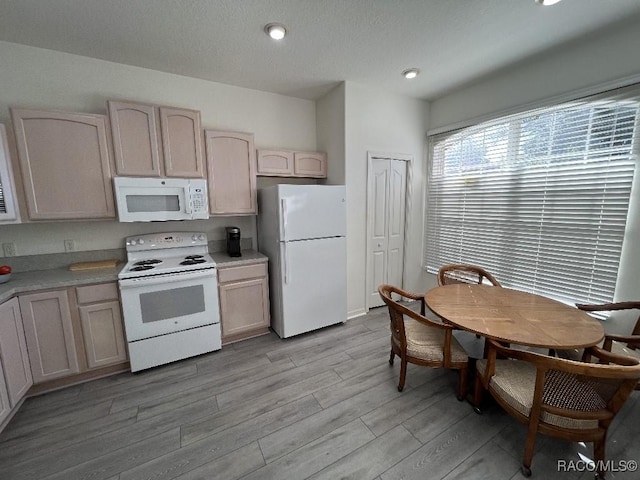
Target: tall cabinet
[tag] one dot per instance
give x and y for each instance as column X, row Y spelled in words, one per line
column 231, row 168
column 65, row 163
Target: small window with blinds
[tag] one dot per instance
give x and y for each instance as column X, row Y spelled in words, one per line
column 7, row 206
column 540, row 198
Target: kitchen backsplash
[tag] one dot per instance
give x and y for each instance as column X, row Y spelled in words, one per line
column 29, row 263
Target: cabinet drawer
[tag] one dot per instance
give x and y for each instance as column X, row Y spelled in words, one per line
column 97, row 293
column 243, row 272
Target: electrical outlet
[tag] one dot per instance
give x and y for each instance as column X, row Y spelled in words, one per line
column 69, row 246
column 9, row 249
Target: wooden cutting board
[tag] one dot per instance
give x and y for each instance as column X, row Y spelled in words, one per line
column 74, row 267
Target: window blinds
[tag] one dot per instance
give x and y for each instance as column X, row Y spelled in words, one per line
column 540, row 198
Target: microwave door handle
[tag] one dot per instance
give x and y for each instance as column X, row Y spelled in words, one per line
column 187, row 202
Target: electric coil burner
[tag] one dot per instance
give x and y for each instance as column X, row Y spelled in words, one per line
column 169, row 293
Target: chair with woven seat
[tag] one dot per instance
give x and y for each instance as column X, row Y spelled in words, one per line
column 627, row 345
column 419, row 340
column 460, row 273
column 574, row 401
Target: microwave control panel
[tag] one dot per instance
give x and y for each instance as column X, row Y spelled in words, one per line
column 199, row 201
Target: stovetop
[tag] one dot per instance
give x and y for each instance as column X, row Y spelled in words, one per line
column 161, row 253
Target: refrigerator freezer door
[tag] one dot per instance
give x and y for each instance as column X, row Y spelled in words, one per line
column 313, row 275
column 312, row 211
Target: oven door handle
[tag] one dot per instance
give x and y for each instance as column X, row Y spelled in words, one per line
column 165, row 278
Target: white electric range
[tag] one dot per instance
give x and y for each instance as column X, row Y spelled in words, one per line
column 169, row 294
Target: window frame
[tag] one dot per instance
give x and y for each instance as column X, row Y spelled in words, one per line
column 515, row 117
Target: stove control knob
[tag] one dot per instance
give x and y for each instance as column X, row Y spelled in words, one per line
column 194, row 238
column 140, row 242
column 133, row 241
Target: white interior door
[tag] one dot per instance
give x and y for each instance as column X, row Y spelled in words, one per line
column 386, row 204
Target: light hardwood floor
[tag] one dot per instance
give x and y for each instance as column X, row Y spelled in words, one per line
column 320, row 406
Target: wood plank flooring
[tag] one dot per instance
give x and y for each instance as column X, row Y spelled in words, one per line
column 318, row 406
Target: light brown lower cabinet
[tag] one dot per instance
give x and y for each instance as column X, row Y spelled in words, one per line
column 14, row 358
column 101, row 320
column 5, row 408
column 244, row 301
column 71, row 331
column 48, row 330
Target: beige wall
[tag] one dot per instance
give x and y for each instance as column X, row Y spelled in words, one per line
column 379, row 121
column 601, row 59
column 41, row 78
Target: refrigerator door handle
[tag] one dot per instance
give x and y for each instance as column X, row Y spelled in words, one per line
column 283, row 204
column 286, row 263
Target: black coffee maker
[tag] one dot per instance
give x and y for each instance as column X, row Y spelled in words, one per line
column 233, row 241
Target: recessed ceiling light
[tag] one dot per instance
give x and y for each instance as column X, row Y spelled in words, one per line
column 547, row 2
column 275, row 31
column 410, row 73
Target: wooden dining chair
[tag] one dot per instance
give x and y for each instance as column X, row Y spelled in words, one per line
column 627, row 345
column 574, row 401
column 460, row 273
column 419, row 340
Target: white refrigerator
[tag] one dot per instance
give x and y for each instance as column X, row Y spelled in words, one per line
column 302, row 229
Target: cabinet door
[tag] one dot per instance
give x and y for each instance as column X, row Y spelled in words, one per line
column 244, row 306
column 182, row 142
column 65, row 164
column 103, row 334
column 5, row 409
column 49, row 333
column 8, row 204
column 231, row 166
column 13, row 352
column 310, row 164
column 275, row 163
column 136, row 136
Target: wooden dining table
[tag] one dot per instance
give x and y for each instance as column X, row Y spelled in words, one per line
column 513, row 316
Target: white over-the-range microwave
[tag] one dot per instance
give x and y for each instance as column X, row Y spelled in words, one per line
column 160, row 199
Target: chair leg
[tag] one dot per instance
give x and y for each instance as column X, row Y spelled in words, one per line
column 529, row 450
column 462, row 383
column 403, row 373
column 391, row 357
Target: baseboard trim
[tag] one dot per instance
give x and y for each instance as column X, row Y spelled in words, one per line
column 356, row 313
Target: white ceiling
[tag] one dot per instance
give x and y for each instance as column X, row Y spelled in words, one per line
column 453, row 42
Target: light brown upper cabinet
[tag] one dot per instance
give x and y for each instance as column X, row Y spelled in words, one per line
column 155, row 141
column 288, row 163
column 231, row 168
column 310, row 164
column 65, row 163
column 276, row 163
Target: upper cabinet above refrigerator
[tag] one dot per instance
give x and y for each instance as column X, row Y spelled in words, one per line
column 289, row 163
column 155, row 141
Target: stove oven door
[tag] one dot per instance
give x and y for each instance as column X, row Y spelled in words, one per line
column 168, row 303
